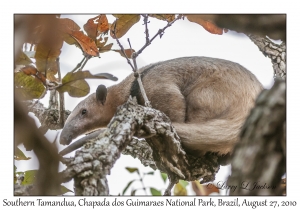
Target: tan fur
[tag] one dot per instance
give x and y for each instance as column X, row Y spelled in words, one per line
column 207, row 100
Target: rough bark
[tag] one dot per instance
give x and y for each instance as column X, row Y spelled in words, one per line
column 48, row 117
column 259, row 158
column 139, row 148
column 277, row 54
column 93, row 162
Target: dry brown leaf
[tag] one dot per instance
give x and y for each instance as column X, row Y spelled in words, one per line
column 209, row 26
column 106, row 48
column 103, row 25
column 66, row 27
column 66, row 23
column 100, row 42
column 128, row 52
column 86, row 43
column 95, row 26
column 30, row 70
column 46, row 58
column 123, row 24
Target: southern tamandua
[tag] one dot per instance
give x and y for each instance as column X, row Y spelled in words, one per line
column 207, row 100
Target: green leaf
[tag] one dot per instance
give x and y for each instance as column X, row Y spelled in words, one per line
column 164, row 177
column 103, row 76
column 149, row 173
column 180, row 190
column 16, row 177
column 19, row 155
column 183, row 183
column 28, row 87
column 80, row 75
column 133, row 192
column 64, row 190
column 132, row 170
column 76, row 86
column 29, row 177
column 23, row 59
column 154, row 191
column 127, row 186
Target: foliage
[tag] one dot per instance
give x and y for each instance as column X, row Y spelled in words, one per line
column 141, row 180
column 19, row 155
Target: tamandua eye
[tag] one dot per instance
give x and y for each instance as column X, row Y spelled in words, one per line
column 83, row 112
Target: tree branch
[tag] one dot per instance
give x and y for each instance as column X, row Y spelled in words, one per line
column 92, row 163
column 277, row 54
column 48, row 118
column 79, row 64
column 122, row 48
column 262, row 146
column 159, row 32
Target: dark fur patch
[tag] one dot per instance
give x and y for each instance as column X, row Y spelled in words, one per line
column 135, row 88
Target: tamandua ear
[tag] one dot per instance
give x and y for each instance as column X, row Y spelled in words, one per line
column 101, row 94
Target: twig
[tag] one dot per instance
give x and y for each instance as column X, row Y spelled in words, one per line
column 143, row 185
column 78, row 65
column 129, row 43
column 146, row 29
column 143, row 92
column 87, row 58
column 61, row 98
column 122, row 48
column 170, row 186
column 133, row 57
column 160, row 32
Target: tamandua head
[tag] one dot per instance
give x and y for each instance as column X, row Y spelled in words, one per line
column 87, row 116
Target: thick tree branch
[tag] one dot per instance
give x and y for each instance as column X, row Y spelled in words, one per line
column 92, row 163
column 262, row 146
column 137, row 148
column 48, row 118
